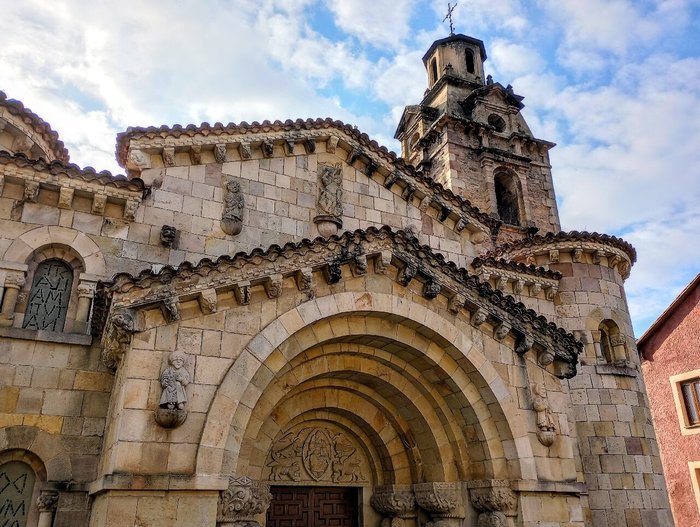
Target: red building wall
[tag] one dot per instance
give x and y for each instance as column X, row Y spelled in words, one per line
column 672, row 347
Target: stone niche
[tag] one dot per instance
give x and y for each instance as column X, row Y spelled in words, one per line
column 322, row 453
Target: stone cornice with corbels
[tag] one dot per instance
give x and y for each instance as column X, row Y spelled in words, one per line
column 70, row 181
column 235, row 276
column 519, row 281
column 138, row 148
column 579, row 247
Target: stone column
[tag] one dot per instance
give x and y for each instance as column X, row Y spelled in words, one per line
column 46, row 503
column 396, row 502
column 241, row 502
column 442, row 500
column 494, row 500
column 13, row 283
column 618, row 349
column 86, row 292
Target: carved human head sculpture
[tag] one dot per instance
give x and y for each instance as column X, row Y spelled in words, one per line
column 177, row 359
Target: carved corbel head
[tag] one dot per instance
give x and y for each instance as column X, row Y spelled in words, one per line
column 117, row 338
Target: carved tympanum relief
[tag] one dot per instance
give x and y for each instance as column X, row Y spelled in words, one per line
column 330, row 199
column 316, row 454
column 234, row 203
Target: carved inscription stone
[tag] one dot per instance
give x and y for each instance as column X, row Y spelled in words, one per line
column 315, row 454
column 49, row 296
column 16, row 486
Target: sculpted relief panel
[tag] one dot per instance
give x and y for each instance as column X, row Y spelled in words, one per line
column 316, row 454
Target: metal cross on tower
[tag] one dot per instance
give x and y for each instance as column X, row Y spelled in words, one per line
column 448, row 16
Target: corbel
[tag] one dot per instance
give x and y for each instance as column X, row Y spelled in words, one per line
column 501, row 331
column 310, row 145
column 354, row 155
column 425, row 203
column 98, row 203
column 267, row 148
column 31, row 191
column 551, row 292
column 545, row 357
column 289, row 147
column 523, row 345
column 244, row 151
column 359, row 264
column 220, row 153
column 208, row 301
column 598, row 256
column 371, row 168
column 409, row 192
column 169, row 156
column 65, row 197
column 444, row 213
column 455, row 303
column 431, row 289
column 333, row 272
column 554, row 256
column 304, row 278
column 331, row 144
column 407, row 274
column 382, row 262
column 196, row 154
column 171, row 309
column 461, row 224
column 501, row 282
column 578, row 255
column 130, row 209
column 518, row 287
column 390, row 180
column 241, row 291
column 535, row 289
column 273, row 286
column 479, row 317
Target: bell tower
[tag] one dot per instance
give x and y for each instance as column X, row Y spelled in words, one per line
column 469, row 135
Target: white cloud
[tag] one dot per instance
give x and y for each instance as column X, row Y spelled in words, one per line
column 511, row 60
column 378, row 22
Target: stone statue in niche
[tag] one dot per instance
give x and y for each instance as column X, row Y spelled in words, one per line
column 172, row 410
column 546, row 428
column 234, row 203
column 330, row 199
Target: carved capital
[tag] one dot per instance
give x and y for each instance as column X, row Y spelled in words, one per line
column 492, row 496
column 86, row 289
column 441, row 499
column 47, row 501
column 242, row 501
column 618, row 340
column 15, row 281
column 393, row 500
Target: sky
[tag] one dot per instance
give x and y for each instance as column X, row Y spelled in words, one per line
column 615, row 83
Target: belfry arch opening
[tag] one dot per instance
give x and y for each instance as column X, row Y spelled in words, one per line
column 508, row 198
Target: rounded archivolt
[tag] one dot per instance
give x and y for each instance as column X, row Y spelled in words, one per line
column 404, row 398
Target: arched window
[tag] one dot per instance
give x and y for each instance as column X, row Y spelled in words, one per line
column 497, row 122
column 49, row 296
column 470, row 60
column 507, row 198
column 433, row 71
column 606, row 348
column 612, row 343
column 16, row 488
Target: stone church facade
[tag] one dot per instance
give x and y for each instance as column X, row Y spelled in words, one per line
column 285, row 324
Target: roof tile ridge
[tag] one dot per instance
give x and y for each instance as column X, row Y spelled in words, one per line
column 520, row 267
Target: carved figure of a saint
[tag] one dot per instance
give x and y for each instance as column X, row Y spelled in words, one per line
column 173, row 381
column 233, row 200
column 545, row 421
column 330, row 197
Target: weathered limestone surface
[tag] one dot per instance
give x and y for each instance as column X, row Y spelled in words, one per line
column 288, row 304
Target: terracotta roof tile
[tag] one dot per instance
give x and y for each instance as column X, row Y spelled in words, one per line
column 44, row 129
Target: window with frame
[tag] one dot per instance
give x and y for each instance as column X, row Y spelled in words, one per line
column 47, row 305
column 690, row 390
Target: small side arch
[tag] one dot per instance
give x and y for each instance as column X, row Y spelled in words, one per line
column 509, row 197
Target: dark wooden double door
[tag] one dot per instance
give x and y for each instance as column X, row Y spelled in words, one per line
column 313, row 507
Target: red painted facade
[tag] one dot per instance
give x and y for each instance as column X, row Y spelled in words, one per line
column 672, row 347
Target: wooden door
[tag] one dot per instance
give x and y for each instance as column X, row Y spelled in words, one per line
column 313, row 507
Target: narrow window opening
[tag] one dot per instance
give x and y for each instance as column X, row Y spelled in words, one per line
column 606, row 347
column 470, row 61
column 507, row 199
column 433, row 70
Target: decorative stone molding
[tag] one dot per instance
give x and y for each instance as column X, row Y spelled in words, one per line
column 234, row 203
column 394, row 501
column 442, row 500
column 241, row 502
column 494, row 500
column 117, row 339
column 546, row 427
column 172, row 411
column 330, row 199
column 316, row 454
